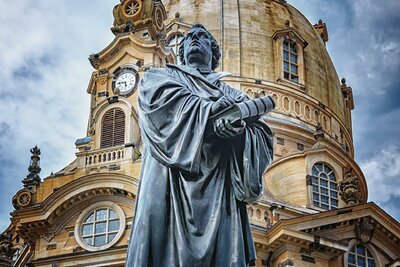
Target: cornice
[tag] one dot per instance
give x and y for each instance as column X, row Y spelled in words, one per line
column 82, row 255
column 31, row 223
column 341, row 215
column 113, row 48
column 41, row 211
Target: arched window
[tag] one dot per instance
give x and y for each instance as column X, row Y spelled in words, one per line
column 290, row 61
column 113, row 128
column 360, row 256
column 290, row 57
column 324, row 192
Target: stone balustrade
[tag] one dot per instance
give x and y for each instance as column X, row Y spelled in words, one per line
column 260, row 215
column 106, row 155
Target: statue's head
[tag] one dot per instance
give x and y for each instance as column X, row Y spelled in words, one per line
column 199, row 45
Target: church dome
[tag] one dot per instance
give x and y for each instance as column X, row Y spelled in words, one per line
column 246, row 32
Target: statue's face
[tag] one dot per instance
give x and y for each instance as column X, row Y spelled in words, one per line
column 197, row 48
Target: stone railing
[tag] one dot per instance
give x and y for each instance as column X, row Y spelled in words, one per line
column 260, row 215
column 105, row 156
column 306, row 110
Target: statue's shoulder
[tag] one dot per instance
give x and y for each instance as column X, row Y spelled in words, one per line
column 155, row 77
column 172, row 68
column 155, row 73
column 168, row 70
column 157, row 70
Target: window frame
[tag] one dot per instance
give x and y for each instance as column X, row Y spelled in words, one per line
column 328, row 187
column 115, row 128
column 290, row 75
column 289, row 35
column 17, row 254
column 84, row 216
column 354, row 243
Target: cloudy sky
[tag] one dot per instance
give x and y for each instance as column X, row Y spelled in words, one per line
column 44, row 73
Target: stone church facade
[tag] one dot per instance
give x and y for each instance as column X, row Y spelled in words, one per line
column 314, row 211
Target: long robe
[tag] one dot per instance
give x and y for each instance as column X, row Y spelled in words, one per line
column 191, row 203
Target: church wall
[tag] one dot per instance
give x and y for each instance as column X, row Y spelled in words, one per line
column 291, row 256
column 287, row 180
column 336, row 262
column 64, row 240
column 49, row 185
column 282, row 257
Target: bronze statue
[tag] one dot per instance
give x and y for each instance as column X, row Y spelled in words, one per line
column 196, row 180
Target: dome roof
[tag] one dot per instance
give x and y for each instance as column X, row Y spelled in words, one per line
column 245, row 31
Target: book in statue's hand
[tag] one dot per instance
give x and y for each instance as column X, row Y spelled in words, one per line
column 248, row 111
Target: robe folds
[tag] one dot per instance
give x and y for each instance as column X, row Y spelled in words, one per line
column 191, row 203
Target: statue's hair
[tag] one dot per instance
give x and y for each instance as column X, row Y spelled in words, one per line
column 216, row 54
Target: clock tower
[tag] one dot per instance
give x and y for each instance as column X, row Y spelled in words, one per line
column 138, row 45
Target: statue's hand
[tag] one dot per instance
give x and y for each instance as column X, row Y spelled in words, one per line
column 222, row 103
column 225, row 130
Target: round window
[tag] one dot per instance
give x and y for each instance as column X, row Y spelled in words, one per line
column 132, row 8
column 100, row 226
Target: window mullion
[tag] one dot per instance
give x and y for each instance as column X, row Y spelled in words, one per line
column 319, row 191
column 107, row 223
column 94, row 226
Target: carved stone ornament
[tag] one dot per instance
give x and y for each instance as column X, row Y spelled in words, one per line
column 322, row 30
column 49, row 237
column 136, row 154
column 319, row 132
column 22, row 199
column 136, row 15
column 6, row 249
column 92, row 130
column 32, row 180
column 94, row 60
column 365, row 229
column 349, row 190
column 286, row 263
column 347, row 94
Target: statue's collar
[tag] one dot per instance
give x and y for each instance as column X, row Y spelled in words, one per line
column 210, row 78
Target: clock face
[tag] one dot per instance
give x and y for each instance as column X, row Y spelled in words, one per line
column 125, row 81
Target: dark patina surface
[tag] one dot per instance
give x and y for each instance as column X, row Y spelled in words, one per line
column 191, row 204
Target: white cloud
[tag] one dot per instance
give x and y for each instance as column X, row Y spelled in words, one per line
column 44, row 73
column 383, row 172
